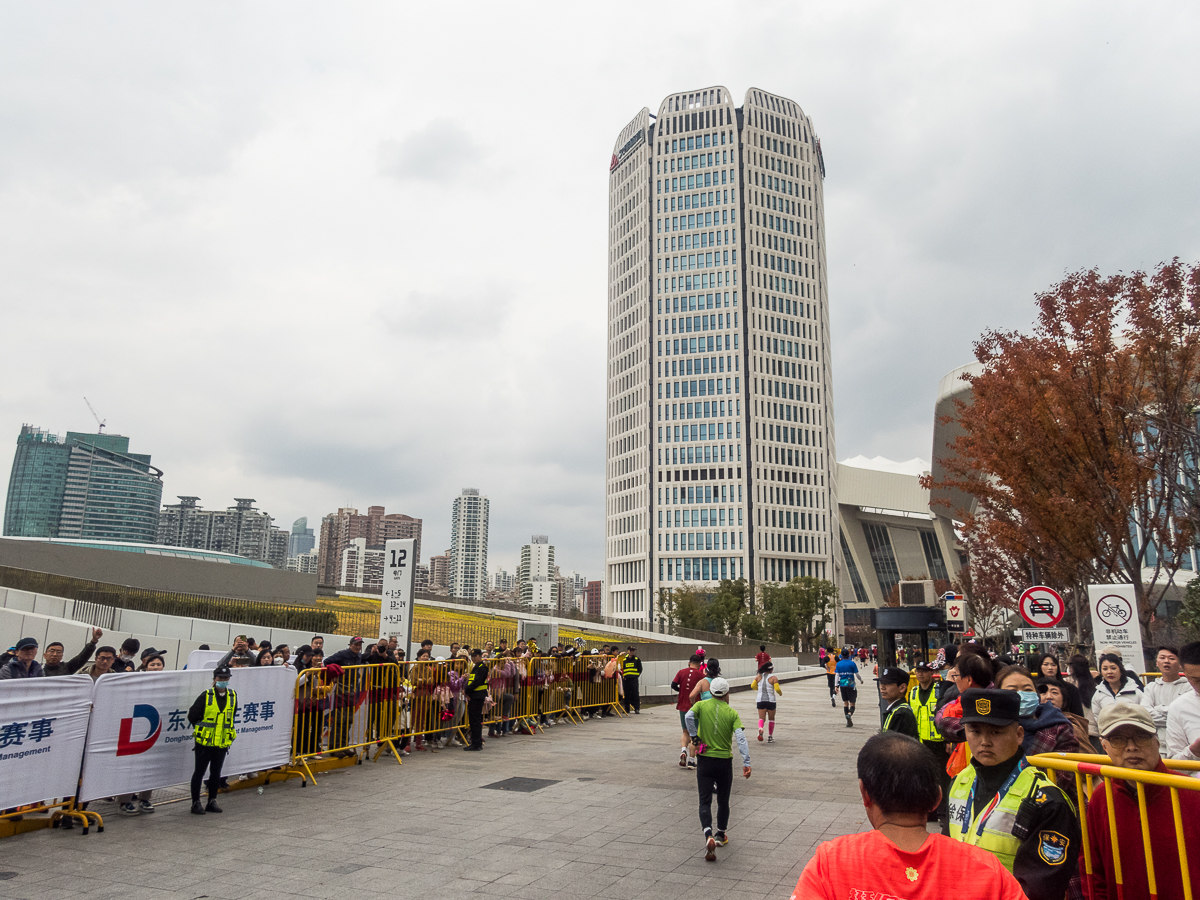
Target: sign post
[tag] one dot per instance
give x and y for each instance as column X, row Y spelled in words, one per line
column 1041, row 607
column 956, row 612
column 396, row 608
column 1115, row 622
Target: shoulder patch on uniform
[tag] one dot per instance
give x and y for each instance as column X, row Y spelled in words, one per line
column 1052, row 847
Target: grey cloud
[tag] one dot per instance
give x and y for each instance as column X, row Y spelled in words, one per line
column 446, row 315
column 441, row 152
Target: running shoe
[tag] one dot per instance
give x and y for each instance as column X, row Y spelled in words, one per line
column 710, row 850
column 770, row 738
column 683, row 759
column 691, row 763
column 721, row 838
column 128, row 809
column 760, row 737
column 832, row 702
column 145, row 806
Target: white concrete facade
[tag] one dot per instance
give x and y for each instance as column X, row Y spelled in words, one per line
column 720, row 439
column 469, row 545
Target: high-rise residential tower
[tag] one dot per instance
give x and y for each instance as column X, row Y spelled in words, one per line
column 720, row 439
column 469, row 545
column 535, row 585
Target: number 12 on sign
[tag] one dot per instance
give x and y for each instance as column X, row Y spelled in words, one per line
column 395, row 610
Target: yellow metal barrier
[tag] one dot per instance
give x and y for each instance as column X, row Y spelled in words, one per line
column 347, row 710
column 1086, row 768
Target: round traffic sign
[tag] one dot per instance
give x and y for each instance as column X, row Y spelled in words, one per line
column 1041, row 607
column 1114, row 610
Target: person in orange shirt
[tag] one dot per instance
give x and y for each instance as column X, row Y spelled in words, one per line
column 898, row 780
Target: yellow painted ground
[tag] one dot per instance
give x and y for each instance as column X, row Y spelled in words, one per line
column 360, row 615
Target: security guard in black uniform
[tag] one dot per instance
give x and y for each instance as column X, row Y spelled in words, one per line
column 1001, row 804
column 631, row 671
column 476, row 691
column 898, row 715
column 212, row 717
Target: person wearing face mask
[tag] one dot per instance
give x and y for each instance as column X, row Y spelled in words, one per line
column 1047, row 729
column 212, row 717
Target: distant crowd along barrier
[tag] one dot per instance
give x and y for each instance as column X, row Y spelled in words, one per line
column 1089, row 771
column 76, row 739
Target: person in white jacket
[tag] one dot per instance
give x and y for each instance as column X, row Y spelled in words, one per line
column 1183, row 715
column 1162, row 692
column 1115, row 685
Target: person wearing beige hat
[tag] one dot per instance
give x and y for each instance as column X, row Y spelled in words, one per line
column 1130, row 738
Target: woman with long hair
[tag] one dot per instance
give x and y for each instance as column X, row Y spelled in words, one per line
column 712, row 669
column 1115, row 685
column 1045, row 667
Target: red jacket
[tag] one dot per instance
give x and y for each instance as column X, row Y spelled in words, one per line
column 1129, row 838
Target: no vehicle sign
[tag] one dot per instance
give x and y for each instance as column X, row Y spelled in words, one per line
column 1041, row 607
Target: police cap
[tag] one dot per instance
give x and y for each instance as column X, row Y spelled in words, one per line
column 893, row 675
column 991, row 706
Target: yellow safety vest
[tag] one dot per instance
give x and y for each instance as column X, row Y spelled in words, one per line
column 216, row 728
column 924, row 712
column 630, row 666
column 992, row 829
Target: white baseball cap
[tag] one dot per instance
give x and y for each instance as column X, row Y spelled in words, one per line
column 718, row 687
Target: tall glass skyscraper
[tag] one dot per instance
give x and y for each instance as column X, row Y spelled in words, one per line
column 88, row 486
column 720, row 440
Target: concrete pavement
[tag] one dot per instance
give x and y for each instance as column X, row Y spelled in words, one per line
column 618, row 822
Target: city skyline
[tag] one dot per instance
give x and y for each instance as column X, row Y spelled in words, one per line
column 306, row 215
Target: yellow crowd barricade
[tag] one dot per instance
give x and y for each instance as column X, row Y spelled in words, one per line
column 1088, row 767
column 344, row 712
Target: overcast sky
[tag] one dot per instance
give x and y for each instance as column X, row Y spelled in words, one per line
column 350, row 254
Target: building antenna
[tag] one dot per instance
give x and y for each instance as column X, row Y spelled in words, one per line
column 99, row 421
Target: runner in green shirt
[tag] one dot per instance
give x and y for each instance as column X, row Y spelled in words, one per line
column 714, row 724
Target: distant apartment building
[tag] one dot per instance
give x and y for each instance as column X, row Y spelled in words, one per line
column 305, row 563
column 376, row 528
column 595, row 598
column 421, row 579
column 537, row 587
column 362, row 567
column 239, row 529
column 502, row 582
column 439, row 573
column 86, row 486
column 469, row 545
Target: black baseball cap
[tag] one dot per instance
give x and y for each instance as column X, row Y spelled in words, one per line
column 991, row 707
column 221, row 672
column 893, row 675
column 923, row 667
column 26, row 642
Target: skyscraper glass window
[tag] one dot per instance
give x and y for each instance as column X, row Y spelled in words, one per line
column 883, row 558
column 933, row 556
column 36, row 484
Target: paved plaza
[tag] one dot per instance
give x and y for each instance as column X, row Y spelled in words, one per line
column 618, row 822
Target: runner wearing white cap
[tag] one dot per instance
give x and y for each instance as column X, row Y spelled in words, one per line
column 716, row 724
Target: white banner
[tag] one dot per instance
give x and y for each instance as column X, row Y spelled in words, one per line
column 1115, row 622
column 43, row 726
column 141, row 739
column 205, row 659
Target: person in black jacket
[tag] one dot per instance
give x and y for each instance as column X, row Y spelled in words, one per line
column 631, row 672
column 898, row 715
column 52, row 663
column 476, row 693
column 345, row 695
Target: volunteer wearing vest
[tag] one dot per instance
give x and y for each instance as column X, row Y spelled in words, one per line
column 476, row 690
column 1005, row 806
column 923, row 699
column 212, row 716
column 631, row 671
column 897, row 716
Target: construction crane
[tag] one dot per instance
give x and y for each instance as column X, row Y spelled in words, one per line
column 99, row 421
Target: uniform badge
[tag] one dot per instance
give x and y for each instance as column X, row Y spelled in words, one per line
column 1052, row 847
column 910, row 873
column 983, row 706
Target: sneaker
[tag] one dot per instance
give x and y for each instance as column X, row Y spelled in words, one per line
column 127, row 809
column 770, row 738
column 197, row 809
column 212, row 807
column 721, row 839
column 832, row 701
column 710, row 850
column 760, row 737
column 683, row 760
column 849, row 721
column 691, row 762
column 475, row 749
column 146, row 806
